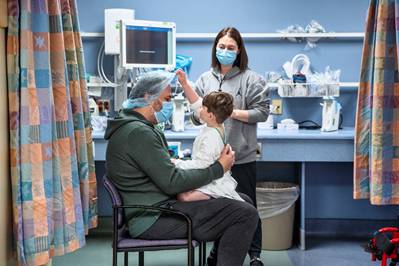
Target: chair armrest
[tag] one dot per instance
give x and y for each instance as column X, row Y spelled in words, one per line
column 153, row 208
column 188, row 220
column 388, row 229
column 395, row 240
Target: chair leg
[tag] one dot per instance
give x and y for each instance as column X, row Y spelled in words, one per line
column 114, row 257
column 126, row 258
column 141, row 258
column 115, row 237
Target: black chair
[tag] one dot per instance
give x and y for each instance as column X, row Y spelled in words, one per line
column 123, row 242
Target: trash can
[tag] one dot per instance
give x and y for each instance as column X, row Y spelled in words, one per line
column 276, row 207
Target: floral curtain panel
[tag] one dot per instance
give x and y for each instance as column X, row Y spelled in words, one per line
column 376, row 162
column 54, row 185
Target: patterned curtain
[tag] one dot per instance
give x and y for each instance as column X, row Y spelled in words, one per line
column 376, row 161
column 54, row 185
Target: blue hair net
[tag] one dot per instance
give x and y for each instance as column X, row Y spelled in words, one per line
column 148, row 88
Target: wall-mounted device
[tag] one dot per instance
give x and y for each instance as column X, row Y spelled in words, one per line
column 147, row 44
column 178, row 113
column 331, row 111
column 112, row 18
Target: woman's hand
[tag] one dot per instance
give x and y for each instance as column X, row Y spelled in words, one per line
column 172, row 160
column 227, row 158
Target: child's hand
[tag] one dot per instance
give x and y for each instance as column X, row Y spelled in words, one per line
column 181, row 76
column 191, row 95
column 172, row 160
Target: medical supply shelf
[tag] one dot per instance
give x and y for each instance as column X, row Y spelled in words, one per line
column 202, row 36
column 341, row 84
column 307, row 89
column 302, row 146
column 90, row 84
column 253, row 35
column 274, row 35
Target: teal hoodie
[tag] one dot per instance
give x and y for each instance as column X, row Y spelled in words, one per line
column 138, row 163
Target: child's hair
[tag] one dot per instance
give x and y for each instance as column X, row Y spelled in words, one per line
column 220, row 104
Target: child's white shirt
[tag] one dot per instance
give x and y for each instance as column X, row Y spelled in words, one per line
column 206, row 150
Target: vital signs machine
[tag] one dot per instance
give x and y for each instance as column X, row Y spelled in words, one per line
column 151, row 44
column 147, row 44
column 137, row 44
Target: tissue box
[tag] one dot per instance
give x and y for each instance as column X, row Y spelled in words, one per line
column 287, row 127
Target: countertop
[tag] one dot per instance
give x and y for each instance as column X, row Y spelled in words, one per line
column 190, row 133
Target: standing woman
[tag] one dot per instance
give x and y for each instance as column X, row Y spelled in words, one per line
column 230, row 73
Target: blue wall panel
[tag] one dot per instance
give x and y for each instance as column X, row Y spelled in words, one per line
column 330, row 184
column 255, row 16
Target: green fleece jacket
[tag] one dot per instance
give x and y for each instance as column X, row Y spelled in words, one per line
column 138, row 163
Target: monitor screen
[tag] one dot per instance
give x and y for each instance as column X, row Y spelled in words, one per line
column 147, row 44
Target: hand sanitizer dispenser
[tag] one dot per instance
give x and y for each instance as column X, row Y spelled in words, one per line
column 269, row 123
column 178, row 113
column 331, row 111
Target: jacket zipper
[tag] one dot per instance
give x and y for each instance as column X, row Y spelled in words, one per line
column 220, row 84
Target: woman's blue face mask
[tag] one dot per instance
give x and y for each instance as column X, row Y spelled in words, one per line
column 226, row 57
column 165, row 113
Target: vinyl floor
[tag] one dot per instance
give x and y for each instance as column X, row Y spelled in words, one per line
column 320, row 251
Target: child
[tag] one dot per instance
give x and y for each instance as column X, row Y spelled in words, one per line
column 213, row 110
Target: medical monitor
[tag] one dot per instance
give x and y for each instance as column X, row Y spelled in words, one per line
column 147, row 44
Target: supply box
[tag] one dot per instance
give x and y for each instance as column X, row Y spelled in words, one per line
column 287, row 127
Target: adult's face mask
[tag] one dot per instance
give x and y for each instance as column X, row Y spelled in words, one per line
column 165, row 113
column 226, row 57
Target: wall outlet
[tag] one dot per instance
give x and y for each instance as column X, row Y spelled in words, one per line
column 278, row 107
column 104, row 106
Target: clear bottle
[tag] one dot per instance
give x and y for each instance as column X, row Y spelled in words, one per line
column 270, row 119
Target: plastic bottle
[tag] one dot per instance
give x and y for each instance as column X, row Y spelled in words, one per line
column 270, row 119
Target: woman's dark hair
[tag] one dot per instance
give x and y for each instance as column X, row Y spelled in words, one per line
column 242, row 57
column 220, row 104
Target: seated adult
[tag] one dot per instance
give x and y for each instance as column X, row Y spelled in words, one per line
column 138, row 161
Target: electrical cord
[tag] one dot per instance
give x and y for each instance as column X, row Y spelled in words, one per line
column 100, row 69
column 317, row 126
column 342, row 119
